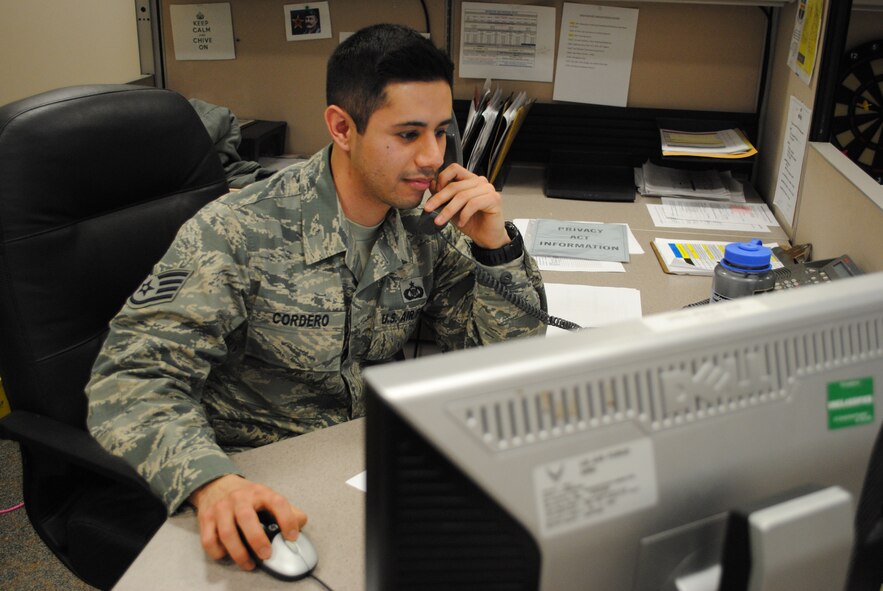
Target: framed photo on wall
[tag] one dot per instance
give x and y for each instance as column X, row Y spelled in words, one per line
column 304, row 22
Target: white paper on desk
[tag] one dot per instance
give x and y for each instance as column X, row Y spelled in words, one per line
column 591, row 306
column 662, row 220
column 507, row 41
column 574, row 265
column 359, row 481
column 595, row 51
column 715, row 211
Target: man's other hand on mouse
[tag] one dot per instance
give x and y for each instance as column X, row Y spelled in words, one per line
column 228, row 505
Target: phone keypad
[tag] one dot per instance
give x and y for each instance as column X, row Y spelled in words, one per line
column 808, row 277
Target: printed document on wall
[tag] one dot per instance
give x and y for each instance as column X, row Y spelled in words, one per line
column 791, row 164
column 595, row 54
column 805, row 38
column 202, row 31
column 507, row 41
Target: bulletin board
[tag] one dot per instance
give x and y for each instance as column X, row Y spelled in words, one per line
column 686, row 56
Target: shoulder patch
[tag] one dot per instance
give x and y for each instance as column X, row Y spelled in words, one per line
column 159, row 288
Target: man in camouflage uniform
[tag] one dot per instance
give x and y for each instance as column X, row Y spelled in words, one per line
column 256, row 324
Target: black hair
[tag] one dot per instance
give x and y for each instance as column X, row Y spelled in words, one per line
column 362, row 66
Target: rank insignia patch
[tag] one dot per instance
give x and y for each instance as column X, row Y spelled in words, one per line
column 159, row 288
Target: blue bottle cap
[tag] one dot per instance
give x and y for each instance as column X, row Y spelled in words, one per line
column 751, row 256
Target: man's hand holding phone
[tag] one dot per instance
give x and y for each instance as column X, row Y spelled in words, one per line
column 471, row 203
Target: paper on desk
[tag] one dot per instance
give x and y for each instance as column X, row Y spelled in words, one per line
column 591, row 306
column 714, row 211
column 565, row 264
column 663, row 219
column 359, row 481
column 658, row 181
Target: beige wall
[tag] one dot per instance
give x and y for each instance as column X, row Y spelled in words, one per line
column 838, row 215
column 279, row 80
column 686, row 57
column 46, row 44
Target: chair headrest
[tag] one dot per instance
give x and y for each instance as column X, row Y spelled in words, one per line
column 93, row 149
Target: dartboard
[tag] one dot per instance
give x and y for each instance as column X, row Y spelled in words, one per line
column 857, row 128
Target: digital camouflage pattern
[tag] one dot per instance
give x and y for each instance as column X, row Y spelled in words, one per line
column 252, row 328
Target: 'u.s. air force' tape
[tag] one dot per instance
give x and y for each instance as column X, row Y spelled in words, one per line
column 159, row 288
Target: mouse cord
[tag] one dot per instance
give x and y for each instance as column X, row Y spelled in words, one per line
column 320, row 581
column 486, row 278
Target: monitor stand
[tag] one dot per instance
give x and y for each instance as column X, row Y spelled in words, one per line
column 800, row 541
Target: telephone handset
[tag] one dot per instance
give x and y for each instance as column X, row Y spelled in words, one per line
column 425, row 224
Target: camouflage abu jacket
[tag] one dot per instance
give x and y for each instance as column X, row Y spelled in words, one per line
column 252, row 328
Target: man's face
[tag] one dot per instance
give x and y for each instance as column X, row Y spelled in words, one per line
column 311, row 20
column 403, row 145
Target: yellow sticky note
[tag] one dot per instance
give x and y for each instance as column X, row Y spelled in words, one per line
column 4, row 403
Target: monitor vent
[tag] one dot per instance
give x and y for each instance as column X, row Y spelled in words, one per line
column 663, row 395
column 440, row 518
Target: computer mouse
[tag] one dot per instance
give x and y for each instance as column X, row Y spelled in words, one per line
column 289, row 560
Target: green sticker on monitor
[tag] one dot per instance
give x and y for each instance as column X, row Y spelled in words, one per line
column 850, row 403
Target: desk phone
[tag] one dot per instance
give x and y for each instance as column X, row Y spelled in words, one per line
column 798, row 274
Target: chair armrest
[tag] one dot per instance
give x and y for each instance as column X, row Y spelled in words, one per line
column 69, row 443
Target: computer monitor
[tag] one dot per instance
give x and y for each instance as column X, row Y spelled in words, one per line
column 625, row 457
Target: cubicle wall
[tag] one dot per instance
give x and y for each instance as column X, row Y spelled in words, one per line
column 50, row 44
column 686, row 56
column 838, row 210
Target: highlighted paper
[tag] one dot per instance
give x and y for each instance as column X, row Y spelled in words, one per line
column 694, row 257
column 805, row 38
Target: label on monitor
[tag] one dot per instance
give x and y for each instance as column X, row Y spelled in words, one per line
column 589, row 488
column 851, row 403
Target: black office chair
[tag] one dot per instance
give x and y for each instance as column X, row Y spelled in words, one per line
column 94, row 183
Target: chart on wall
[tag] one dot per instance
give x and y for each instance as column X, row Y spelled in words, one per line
column 857, row 127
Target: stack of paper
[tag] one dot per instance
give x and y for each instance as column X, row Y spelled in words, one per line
column 693, row 257
column 491, row 126
column 712, row 215
column 660, row 181
column 726, row 143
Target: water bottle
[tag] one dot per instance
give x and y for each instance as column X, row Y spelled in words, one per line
column 745, row 270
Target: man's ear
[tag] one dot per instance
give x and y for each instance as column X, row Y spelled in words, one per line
column 340, row 125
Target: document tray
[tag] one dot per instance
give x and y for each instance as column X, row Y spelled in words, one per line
column 592, row 182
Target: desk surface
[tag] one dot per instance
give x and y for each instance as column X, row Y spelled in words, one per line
column 660, row 292
column 312, row 469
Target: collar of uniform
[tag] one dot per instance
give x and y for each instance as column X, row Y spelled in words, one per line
column 323, row 223
column 392, row 244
